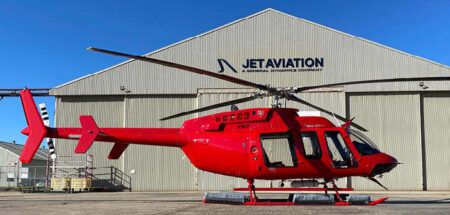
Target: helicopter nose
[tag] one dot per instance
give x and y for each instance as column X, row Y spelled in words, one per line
column 385, row 164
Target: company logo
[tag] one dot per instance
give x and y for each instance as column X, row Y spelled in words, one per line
column 222, row 68
column 309, row 64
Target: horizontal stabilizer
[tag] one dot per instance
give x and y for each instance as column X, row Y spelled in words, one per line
column 89, row 132
column 36, row 129
column 117, row 150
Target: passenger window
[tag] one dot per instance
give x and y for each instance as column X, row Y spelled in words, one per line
column 311, row 145
column 278, row 150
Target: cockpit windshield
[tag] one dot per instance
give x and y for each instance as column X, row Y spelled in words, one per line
column 362, row 143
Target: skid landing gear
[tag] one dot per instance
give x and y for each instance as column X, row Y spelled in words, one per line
column 294, row 199
column 251, row 190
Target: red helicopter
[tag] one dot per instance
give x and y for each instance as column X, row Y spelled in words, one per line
column 235, row 143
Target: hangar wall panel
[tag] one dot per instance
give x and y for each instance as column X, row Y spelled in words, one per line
column 6, row 159
column 437, row 140
column 266, row 35
column 158, row 168
column 332, row 101
column 393, row 122
column 107, row 112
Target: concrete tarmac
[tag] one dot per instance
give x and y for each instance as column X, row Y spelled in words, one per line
column 190, row 203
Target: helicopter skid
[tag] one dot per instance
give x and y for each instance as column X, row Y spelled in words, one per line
column 237, row 198
column 274, row 202
column 293, row 189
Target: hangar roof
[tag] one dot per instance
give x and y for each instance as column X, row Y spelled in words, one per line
column 16, row 149
column 266, row 34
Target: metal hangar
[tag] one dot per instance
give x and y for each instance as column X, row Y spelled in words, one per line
column 409, row 120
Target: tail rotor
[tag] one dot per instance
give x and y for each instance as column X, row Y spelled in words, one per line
column 46, row 120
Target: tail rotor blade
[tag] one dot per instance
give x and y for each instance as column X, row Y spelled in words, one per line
column 301, row 101
column 44, row 114
column 46, row 120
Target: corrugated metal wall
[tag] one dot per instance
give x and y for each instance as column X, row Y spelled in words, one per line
column 393, row 122
column 437, row 140
column 107, row 112
column 7, row 158
column 158, row 168
column 332, row 101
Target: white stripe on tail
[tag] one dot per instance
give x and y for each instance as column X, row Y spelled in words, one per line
column 46, row 120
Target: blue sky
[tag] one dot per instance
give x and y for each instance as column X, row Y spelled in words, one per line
column 43, row 43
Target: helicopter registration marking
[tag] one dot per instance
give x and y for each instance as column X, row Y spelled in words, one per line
column 315, row 126
column 74, row 136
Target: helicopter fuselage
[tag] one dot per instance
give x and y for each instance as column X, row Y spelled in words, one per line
column 276, row 143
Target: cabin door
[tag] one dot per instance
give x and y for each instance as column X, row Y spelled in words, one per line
column 340, row 155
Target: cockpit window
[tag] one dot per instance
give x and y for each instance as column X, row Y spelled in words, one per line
column 362, row 143
column 278, row 150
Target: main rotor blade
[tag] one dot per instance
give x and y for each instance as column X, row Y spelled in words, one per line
column 16, row 92
column 301, row 101
column 301, row 89
column 187, row 68
column 223, row 104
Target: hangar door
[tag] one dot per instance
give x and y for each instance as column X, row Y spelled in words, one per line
column 393, row 121
column 436, row 109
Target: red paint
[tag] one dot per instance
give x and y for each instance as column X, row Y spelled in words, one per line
column 117, row 150
column 293, row 189
column 226, row 143
column 378, row 201
column 342, row 203
column 36, row 130
column 88, row 135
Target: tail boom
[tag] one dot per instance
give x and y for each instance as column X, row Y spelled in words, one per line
column 145, row 136
column 89, row 132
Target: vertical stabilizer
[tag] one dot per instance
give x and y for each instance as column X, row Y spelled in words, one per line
column 36, row 129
